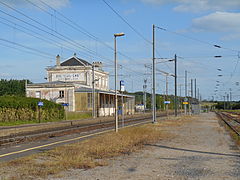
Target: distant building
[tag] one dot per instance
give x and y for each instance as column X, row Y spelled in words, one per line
column 78, row 72
column 71, row 83
column 139, row 107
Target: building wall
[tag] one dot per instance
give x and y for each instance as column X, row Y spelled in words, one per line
column 80, row 75
column 107, row 104
column 130, row 106
column 104, row 103
column 53, row 94
column 81, row 102
column 67, row 75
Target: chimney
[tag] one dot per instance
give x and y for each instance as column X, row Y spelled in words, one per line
column 98, row 65
column 58, row 60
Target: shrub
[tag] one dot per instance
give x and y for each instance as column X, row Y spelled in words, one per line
column 16, row 108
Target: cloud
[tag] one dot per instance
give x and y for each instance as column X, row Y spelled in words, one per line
column 234, row 36
column 129, row 11
column 198, row 5
column 7, row 66
column 5, row 75
column 24, row 3
column 218, row 22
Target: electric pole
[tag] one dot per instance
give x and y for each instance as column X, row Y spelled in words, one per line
column 153, row 78
column 230, row 98
column 190, row 100
column 191, row 88
column 144, row 94
column 224, row 105
column 198, row 94
column 175, row 78
column 185, row 105
column 195, row 93
column 180, row 96
column 167, row 94
column 227, row 101
column 93, row 92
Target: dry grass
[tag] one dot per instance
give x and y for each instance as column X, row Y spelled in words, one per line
column 41, row 126
column 234, row 136
column 86, row 154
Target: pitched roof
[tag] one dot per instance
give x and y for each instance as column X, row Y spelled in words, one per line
column 75, row 61
column 51, row 84
column 89, row 90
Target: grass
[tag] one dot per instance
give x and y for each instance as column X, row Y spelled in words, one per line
column 16, row 123
column 20, row 122
column 70, row 116
column 235, row 110
column 234, row 136
column 78, row 115
column 86, row 154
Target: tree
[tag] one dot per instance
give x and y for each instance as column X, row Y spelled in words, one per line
column 13, row 87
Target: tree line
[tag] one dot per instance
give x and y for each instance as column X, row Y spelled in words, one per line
column 13, row 87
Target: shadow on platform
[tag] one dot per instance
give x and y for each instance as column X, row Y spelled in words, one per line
column 193, row 151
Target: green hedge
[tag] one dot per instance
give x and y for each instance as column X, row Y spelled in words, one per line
column 14, row 108
column 13, row 87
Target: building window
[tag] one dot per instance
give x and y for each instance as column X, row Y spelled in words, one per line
column 38, row 94
column 61, row 94
column 89, row 100
column 103, row 82
column 97, row 81
column 106, row 82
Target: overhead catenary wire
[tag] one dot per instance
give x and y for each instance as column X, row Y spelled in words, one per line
column 69, row 40
column 89, row 34
column 196, row 39
column 224, row 86
column 51, row 33
column 34, row 34
column 133, row 28
column 208, row 43
column 229, row 80
column 23, row 49
column 124, row 20
column 40, row 29
column 45, row 32
column 37, row 35
column 26, row 47
column 74, row 26
column 207, row 66
column 216, row 56
column 78, row 28
column 82, row 30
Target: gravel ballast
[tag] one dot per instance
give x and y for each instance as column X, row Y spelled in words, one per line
column 199, row 149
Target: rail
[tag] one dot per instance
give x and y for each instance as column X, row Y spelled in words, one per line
column 232, row 122
column 72, row 128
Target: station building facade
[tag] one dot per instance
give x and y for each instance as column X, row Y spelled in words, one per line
column 71, row 83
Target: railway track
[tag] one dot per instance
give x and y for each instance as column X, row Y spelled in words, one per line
column 47, row 133
column 233, row 122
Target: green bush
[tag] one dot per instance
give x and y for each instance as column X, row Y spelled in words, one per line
column 15, row 108
column 13, row 87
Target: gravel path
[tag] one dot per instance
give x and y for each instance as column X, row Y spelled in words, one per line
column 200, row 149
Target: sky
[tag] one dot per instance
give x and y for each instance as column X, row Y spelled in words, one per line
column 33, row 32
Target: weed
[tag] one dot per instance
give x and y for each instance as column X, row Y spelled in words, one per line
column 86, row 154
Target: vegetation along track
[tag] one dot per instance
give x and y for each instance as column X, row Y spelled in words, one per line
column 65, row 130
column 231, row 120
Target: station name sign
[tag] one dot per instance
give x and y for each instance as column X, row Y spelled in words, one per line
column 69, row 77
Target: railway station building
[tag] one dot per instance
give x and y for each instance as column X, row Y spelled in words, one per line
column 71, row 83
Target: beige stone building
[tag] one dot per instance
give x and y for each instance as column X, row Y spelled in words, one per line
column 71, row 83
